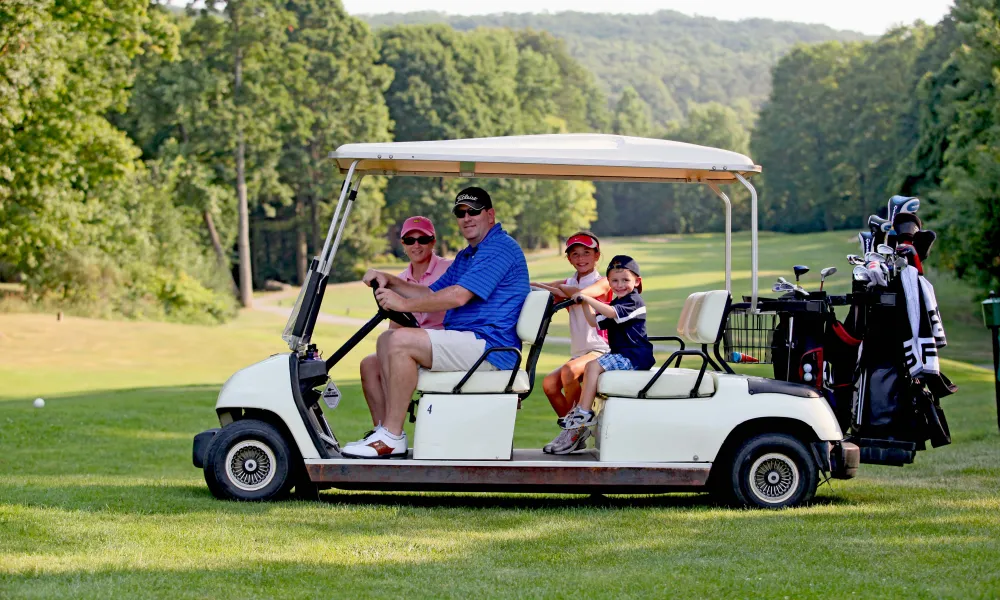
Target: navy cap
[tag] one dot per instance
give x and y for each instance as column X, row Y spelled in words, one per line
column 623, row 261
column 474, row 197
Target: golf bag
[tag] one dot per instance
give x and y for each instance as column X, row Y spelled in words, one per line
column 811, row 347
column 899, row 384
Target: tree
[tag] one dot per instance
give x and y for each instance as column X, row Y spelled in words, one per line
column 338, row 91
column 798, row 142
column 967, row 211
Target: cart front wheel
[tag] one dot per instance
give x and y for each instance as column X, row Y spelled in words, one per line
column 249, row 460
column 772, row 471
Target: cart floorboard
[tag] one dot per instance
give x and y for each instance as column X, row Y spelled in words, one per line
column 527, row 471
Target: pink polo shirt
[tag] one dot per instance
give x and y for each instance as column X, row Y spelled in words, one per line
column 435, row 269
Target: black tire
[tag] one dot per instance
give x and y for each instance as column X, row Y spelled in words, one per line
column 250, row 460
column 768, row 471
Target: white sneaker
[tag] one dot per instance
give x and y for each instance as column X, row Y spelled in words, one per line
column 364, row 437
column 380, row 444
column 577, row 418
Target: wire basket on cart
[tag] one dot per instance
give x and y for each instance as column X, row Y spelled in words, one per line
column 749, row 336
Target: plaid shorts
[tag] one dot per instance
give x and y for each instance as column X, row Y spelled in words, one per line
column 615, row 362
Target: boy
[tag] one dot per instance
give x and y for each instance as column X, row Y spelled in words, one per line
column 625, row 321
column 562, row 386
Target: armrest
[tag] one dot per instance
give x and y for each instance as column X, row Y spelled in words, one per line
column 668, row 338
column 678, row 354
column 510, row 383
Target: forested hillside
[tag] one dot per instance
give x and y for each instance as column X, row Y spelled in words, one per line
column 671, row 59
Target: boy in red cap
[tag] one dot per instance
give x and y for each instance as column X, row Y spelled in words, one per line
column 587, row 343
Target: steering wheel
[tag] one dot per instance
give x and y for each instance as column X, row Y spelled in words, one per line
column 403, row 319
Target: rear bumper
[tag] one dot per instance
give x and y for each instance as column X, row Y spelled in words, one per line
column 845, row 457
column 200, row 449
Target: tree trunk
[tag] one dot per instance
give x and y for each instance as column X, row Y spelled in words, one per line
column 301, row 240
column 220, row 254
column 243, row 241
column 317, row 235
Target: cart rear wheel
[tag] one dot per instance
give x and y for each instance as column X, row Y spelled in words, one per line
column 771, row 471
column 249, row 460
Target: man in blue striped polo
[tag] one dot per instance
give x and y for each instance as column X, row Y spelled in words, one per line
column 483, row 291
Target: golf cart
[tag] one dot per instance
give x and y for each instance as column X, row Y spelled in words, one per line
column 752, row 441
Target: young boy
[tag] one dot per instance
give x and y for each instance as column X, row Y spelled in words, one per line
column 625, row 321
column 562, row 386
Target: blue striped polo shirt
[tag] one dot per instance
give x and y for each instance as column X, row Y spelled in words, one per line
column 496, row 272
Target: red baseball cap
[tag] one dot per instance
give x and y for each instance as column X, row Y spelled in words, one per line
column 421, row 224
column 585, row 239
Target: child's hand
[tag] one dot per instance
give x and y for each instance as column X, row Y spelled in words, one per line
column 579, row 298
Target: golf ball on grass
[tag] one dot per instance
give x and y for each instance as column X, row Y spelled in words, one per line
column 39, row 403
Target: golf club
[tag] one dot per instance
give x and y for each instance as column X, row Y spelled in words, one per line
column 799, row 270
column 824, row 274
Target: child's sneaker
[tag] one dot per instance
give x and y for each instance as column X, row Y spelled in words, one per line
column 569, row 440
column 577, row 418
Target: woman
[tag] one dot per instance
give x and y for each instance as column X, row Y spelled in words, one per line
column 418, row 238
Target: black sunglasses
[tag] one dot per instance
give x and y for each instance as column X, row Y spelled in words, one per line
column 461, row 212
column 422, row 240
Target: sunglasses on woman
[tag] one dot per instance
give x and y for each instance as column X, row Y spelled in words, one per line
column 461, row 212
column 422, row 240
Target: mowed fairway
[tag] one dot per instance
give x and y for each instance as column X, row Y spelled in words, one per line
column 98, row 497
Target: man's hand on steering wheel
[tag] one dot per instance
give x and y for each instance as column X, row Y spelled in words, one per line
column 390, row 300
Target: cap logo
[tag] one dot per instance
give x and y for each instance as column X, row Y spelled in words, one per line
column 467, row 197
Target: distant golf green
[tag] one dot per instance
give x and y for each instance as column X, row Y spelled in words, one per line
column 98, row 497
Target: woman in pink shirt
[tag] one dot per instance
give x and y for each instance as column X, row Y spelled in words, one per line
column 418, row 238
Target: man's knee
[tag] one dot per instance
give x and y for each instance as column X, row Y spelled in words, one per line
column 409, row 342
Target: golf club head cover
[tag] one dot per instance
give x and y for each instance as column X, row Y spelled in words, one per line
column 902, row 204
column 879, row 227
column 922, row 241
column 867, row 241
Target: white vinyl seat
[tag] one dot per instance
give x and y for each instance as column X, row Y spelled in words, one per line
column 534, row 316
column 673, row 383
column 699, row 323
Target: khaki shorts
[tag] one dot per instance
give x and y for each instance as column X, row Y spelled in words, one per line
column 456, row 350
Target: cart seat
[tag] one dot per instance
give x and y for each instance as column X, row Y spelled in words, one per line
column 673, row 383
column 482, row 382
column 532, row 325
column 700, row 323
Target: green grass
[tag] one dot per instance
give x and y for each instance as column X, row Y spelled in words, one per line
column 98, row 497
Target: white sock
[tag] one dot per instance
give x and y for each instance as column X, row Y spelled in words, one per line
column 392, row 435
column 586, row 412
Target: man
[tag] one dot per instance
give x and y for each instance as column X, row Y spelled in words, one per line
column 418, row 238
column 482, row 292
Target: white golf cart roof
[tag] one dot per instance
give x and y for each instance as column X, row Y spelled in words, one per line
column 587, row 156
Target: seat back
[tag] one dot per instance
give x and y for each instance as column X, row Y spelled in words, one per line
column 533, row 314
column 532, row 325
column 701, row 318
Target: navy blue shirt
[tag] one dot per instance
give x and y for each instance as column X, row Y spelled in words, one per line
column 496, row 272
column 627, row 331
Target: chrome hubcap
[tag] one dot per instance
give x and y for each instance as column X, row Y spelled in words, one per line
column 773, row 478
column 250, row 465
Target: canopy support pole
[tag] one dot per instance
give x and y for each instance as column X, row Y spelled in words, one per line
column 753, row 239
column 729, row 233
column 343, row 222
column 326, row 260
